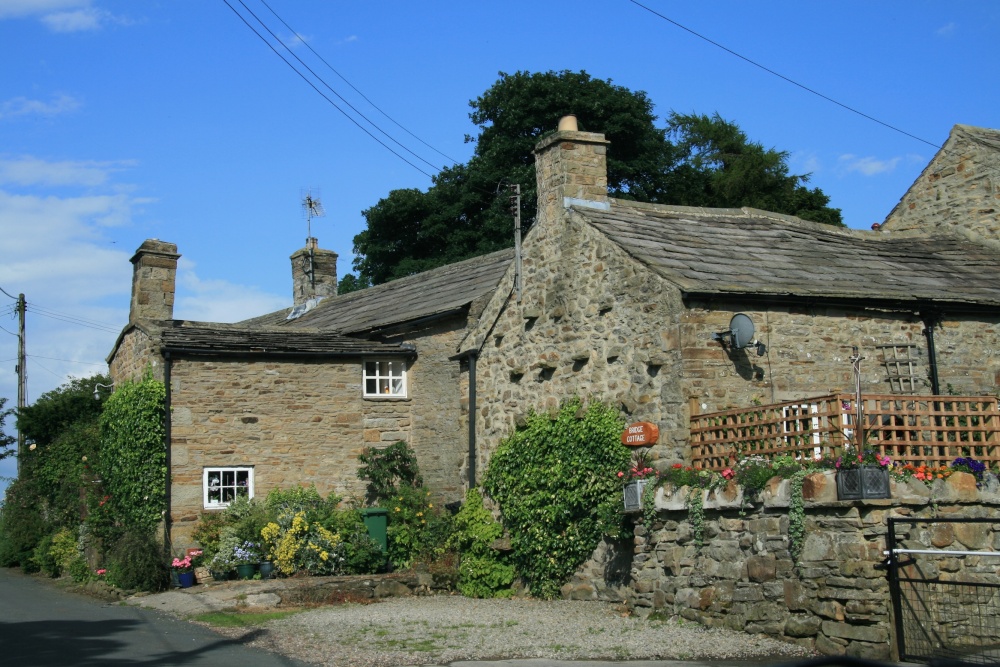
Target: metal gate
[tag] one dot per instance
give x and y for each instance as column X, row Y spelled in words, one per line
column 945, row 602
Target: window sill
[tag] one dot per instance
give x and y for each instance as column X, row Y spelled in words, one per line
column 377, row 398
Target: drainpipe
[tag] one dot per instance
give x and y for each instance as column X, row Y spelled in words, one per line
column 473, row 354
column 166, row 438
column 930, row 321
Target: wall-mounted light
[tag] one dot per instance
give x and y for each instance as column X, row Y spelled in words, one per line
column 97, row 395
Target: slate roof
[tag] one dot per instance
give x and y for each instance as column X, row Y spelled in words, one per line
column 435, row 292
column 211, row 338
column 757, row 253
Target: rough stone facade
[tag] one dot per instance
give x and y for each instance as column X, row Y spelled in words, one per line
column 834, row 598
column 135, row 352
column 153, row 276
column 958, row 190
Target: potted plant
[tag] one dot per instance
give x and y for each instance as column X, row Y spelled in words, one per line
column 246, row 557
column 635, row 480
column 862, row 475
column 184, row 569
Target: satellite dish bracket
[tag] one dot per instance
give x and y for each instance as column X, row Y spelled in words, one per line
column 740, row 335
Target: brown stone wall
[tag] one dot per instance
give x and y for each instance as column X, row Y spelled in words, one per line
column 832, row 598
column 134, row 355
column 295, row 422
column 809, row 349
column 592, row 323
column 958, row 189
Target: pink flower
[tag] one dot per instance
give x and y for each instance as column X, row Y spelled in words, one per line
column 728, row 473
column 101, row 572
column 621, row 474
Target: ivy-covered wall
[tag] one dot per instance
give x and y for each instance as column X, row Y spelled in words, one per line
column 832, row 597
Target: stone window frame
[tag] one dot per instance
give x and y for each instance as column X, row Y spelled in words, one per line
column 380, row 374
column 239, row 473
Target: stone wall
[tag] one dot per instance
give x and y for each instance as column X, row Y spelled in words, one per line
column 302, row 422
column 833, row 598
column 809, row 349
column 590, row 324
column 136, row 352
column 296, row 423
column 958, row 190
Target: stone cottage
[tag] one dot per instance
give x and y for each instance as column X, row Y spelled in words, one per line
column 293, row 397
column 631, row 303
column 613, row 300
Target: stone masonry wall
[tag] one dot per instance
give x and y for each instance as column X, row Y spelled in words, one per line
column 957, row 190
column 808, row 351
column 590, row 324
column 134, row 355
column 438, row 406
column 296, row 422
column 833, row 598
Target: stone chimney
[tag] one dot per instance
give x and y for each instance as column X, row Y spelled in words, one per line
column 153, row 277
column 314, row 273
column 571, row 169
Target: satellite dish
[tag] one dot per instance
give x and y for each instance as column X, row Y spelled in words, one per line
column 741, row 329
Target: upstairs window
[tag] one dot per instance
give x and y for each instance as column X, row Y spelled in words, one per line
column 385, row 378
column 222, row 485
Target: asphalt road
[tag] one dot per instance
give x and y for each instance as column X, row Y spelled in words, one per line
column 42, row 625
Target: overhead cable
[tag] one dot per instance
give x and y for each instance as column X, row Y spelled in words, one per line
column 782, row 76
column 323, row 95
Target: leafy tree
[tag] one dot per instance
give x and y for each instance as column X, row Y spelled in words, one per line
column 466, row 211
column 5, row 440
column 56, row 410
column 351, row 283
column 718, row 166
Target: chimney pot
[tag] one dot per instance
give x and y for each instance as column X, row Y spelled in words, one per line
column 568, row 124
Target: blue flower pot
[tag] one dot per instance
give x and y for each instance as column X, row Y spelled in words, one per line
column 185, row 579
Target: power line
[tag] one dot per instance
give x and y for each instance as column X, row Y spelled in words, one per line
column 782, row 76
column 353, row 87
column 8, row 293
column 69, row 361
column 313, row 86
column 75, row 319
column 71, row 320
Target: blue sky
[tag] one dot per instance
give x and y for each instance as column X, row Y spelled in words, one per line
column 124, row 120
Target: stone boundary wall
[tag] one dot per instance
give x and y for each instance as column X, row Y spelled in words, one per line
column 832, row 599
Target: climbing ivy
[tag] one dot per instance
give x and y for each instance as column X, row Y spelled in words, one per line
column 132, row 466
column 556, row 484
column 796, row 514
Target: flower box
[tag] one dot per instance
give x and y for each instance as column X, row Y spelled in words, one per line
column 633, row 495
column 866, row 482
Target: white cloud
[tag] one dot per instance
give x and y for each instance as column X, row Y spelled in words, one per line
column 22, row 8
column 31, row 171
column 946, row 30
column 220, row 300
column 87, row 18
column 805, row 163
column 868, row 166
column 62, row 16
column 22, row 106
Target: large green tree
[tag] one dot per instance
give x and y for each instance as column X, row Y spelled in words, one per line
column 695, row 160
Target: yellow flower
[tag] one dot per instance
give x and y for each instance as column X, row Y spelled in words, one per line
column 420, row 513
column 397, row 509
column 429, row 505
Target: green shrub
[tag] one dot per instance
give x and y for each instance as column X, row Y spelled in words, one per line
column 557, row 487
column 387, row 469
column 483, row 572
column 362, row 554
column 137, row 562
column 207, row 533
column 22, row 525
column 55, row 553
column 417, row 530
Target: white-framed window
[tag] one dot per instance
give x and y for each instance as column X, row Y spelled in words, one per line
column 385, row 377
column 221, row 485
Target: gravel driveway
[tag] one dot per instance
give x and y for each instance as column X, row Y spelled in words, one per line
column 437, row 630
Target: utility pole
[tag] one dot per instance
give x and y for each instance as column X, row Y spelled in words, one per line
column 515, row 208
column 22, row 377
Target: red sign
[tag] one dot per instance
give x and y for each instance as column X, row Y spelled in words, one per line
column 640, row 434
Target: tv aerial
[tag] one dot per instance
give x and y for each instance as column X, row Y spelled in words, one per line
column 740, row 335
column 313, row 208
